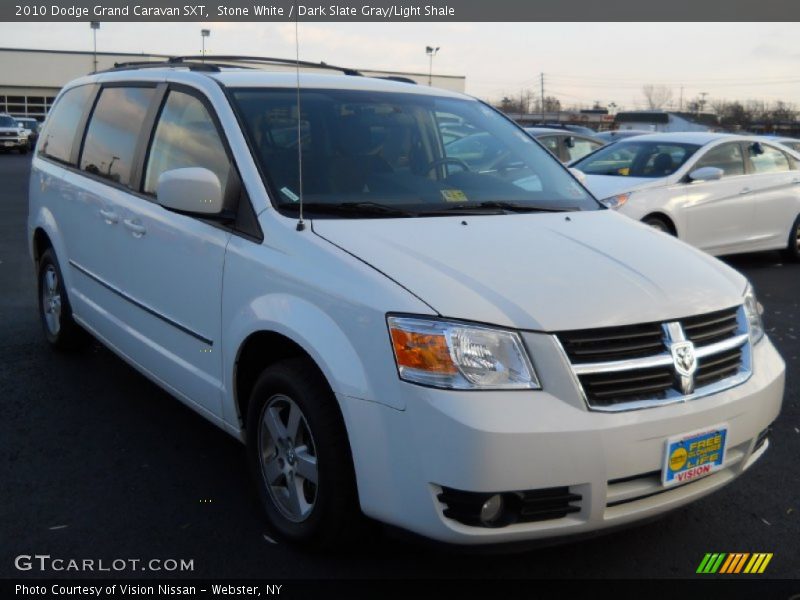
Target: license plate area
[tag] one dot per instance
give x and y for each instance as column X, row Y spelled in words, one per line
column 691, row 456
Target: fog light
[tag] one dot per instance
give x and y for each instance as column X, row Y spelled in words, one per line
column 492, row 509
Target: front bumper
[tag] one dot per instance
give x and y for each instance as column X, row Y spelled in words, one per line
column 511, row 441
column 13, row 143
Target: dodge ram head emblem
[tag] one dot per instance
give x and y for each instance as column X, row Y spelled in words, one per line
column 685, row 362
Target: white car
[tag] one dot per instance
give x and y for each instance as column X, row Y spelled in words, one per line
column 12, row 135
column 478, row 357
column 722, row 193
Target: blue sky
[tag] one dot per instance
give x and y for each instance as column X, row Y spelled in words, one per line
column 582, row 62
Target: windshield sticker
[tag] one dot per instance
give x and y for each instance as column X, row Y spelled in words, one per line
column 454, row 196
column 290, row 194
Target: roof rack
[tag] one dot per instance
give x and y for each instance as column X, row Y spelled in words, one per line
column 265, row 60
column 151, row 64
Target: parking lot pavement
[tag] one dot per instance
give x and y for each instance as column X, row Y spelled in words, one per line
column 97, row 462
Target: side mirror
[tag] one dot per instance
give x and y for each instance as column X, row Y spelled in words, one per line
column 706, row 174
column 192, row 190
column 578, row 174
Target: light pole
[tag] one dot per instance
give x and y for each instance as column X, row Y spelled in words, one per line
column 95, row 25
column 431, row 51
column 204, row 33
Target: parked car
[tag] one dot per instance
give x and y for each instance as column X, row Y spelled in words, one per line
column 723, row 193
column 12, row 136
column 565, row 145
column 619, row 134
column 567, row 127
column 475, row 356
column 31, row 126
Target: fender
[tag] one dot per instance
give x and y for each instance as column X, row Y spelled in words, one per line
column 313, row 330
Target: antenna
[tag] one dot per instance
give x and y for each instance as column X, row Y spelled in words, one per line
column 300, row 223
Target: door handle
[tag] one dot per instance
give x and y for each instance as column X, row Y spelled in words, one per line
column 744, row 191
column 135, row 227
column 109, row 216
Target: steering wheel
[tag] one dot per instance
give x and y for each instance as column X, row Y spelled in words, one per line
column 445, row 161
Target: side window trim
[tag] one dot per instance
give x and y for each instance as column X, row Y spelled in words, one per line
column 145, row 139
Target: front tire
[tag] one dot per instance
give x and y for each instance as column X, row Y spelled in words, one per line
column 793, row 245
column 658, row 224
column 299, row 456
column 55, row 312
column 23, row 149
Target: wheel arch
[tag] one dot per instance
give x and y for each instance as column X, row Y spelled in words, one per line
column 667, row 219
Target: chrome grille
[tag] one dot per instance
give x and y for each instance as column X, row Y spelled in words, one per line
column 638, row 366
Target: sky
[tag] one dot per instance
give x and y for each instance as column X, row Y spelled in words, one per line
column 582, row 62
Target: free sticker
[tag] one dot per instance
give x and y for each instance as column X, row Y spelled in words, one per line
column 694, row 455
column 454, row 196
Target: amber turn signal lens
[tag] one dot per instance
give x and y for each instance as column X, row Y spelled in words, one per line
column 422, row 351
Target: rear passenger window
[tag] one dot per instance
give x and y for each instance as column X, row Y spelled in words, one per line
column 727, row 157
column 114, row 128
column 768, row 159
column 185, row 137
column 62, row 123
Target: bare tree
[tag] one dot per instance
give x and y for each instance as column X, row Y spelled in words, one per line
column 656, row 96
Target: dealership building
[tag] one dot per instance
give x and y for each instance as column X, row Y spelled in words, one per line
column 30, row 79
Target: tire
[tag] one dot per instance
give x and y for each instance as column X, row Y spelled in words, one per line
column 23, row 149
column 793, row 245
column 55, row 312
column 326, row 513
column 658, row 224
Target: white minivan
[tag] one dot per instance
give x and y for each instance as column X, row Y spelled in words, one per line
column 477, row 356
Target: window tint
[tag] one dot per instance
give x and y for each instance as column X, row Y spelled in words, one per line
column 766, row 159
column 727, row 157
column 551, row 143
column 113, row 131
column 581, row 147
column 62, row 123
column 186, row 137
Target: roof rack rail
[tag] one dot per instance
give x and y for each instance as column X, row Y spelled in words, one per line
column 151, row 64
column 397, row 78
column 289, row 62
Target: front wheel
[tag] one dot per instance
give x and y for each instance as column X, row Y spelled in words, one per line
column 658, row 224
column 23, row 149
column 300, row 456
column 793, row 245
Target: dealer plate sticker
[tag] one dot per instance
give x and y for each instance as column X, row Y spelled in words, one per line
column 690, row 456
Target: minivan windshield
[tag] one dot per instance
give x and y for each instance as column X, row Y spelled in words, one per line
column 634, row 158
column 384, row 154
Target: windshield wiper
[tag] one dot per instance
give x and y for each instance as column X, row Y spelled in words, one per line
column 495, row 205
column 354, row 209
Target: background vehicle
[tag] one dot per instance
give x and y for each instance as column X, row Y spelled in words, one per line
column 565, row 145
column 792, row 143
column 619, row 134
column 588, row 131
column 12, row 136
column 445, row 347
column 723, row 193
column 31, row 126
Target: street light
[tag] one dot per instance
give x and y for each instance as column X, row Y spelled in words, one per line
column 204, row 33
column 95, row 25
column 431, row 52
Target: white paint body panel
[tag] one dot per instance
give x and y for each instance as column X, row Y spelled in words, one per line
column 329, row 288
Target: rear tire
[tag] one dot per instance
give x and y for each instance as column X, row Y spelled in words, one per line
column 793, row 245
column 659, row 224
column 55, row 312
column 299, row 456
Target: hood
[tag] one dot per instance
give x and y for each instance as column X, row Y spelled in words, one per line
column 547, row 272
column 605, row 186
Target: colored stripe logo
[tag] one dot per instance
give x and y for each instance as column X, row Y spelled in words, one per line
column 734, row 563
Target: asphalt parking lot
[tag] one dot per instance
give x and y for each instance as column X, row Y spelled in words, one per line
column 97, row 462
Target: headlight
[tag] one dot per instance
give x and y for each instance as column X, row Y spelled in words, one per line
column 617, row 201
column 753, row 311
column 458, row 356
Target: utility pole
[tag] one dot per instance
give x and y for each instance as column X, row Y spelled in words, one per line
column 702, row 102
column 204, row 33
column 431, row 51
column 541, row 81
column 681, row 101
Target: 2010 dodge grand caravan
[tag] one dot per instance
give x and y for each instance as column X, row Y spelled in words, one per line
column 477, row 355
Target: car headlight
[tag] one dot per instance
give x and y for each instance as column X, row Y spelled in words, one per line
column 454, row 355
column 753, row 311
column 617, row 201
